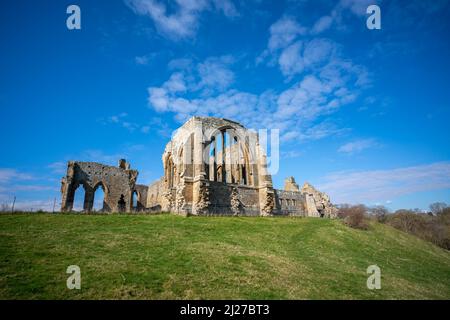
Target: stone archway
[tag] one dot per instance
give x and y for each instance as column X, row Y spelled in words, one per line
column 102, row 205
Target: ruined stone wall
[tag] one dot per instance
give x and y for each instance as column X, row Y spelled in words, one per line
column 155, row 195
column 198, row 162
column 292, row 203
column 291, row 185
column 318, row 204
column 203, row 175
column 118, row 184
column 141, row 191
column 243, row 201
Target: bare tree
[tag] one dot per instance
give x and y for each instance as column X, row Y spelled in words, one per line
column 437, row 207
column 380, row 213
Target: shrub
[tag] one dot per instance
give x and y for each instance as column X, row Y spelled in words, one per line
column 408, row 221
column 354, row 216
column 380, row 213
column 435, row 229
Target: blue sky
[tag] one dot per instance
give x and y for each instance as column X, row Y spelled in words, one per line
column 363, row 114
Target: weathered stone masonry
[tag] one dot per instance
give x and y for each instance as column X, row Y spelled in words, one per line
column 212, row 166
column 118, row 184
column 216, row 166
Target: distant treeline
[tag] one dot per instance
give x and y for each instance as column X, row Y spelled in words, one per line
column 433, row 226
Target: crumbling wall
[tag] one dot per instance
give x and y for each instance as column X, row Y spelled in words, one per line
column 203, row 175
column 198, row 163
column 141, row 193
column 229, row 199
column 155, row 195
column 292, row 203
column 318, row 203
column 290, row 185
column 118, row 184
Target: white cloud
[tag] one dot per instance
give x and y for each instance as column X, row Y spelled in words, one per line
column 358, row 146
column 324, row 82
column 31, row 187
column 357, row 7
column 117, row 118
column 158, row 98
column 319, row 50
column 227, row 7
column 142, row 60
column 180, row 64
column 385, row 185
column 14, row 182
column 58, row 167
column 146, row 59
column 296, row 53
column 176, row 83
column 122, row 120
column 337, row 14
column 182, row 21
column 215, row 73
column 322, row 24
column 322, row 130
column 290, row 154
column 7, row 175
column 290, row 60
column 293, row 110
column 283, row 32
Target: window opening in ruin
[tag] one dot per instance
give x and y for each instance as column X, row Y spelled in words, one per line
column 99, row 199
column 134, row 199
column 78, row 203
column 244, row 174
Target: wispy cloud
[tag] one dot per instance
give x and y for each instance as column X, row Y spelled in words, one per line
column 296, row 110
column 291, row 154
column 28, row 187
column 7, row 175
column 384, row 185
column 16, row 183
column 58, row 167
column 183, row 22
column 145, row 59
column 122, row 119
column 358, row 146
column 337, row 15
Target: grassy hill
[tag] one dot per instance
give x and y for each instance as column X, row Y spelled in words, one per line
column 171, row 257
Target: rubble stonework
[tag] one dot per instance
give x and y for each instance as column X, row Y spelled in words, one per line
column 202, row 204
column 290, row 185
column 223, row 174
column 235, row 203
column 118, row 185
column 211, row 166
column 319, row 203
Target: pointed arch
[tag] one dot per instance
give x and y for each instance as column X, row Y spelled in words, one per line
column 100, row 193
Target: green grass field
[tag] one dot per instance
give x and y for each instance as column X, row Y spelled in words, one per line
column 171, row 257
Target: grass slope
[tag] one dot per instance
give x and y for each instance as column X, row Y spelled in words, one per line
column 171, row 257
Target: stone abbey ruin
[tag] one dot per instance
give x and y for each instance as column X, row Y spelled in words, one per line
column 212, row 166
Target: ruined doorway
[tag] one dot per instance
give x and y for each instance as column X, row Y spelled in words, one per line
column 99, row 198
column 121, row 204
column 79, row 198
